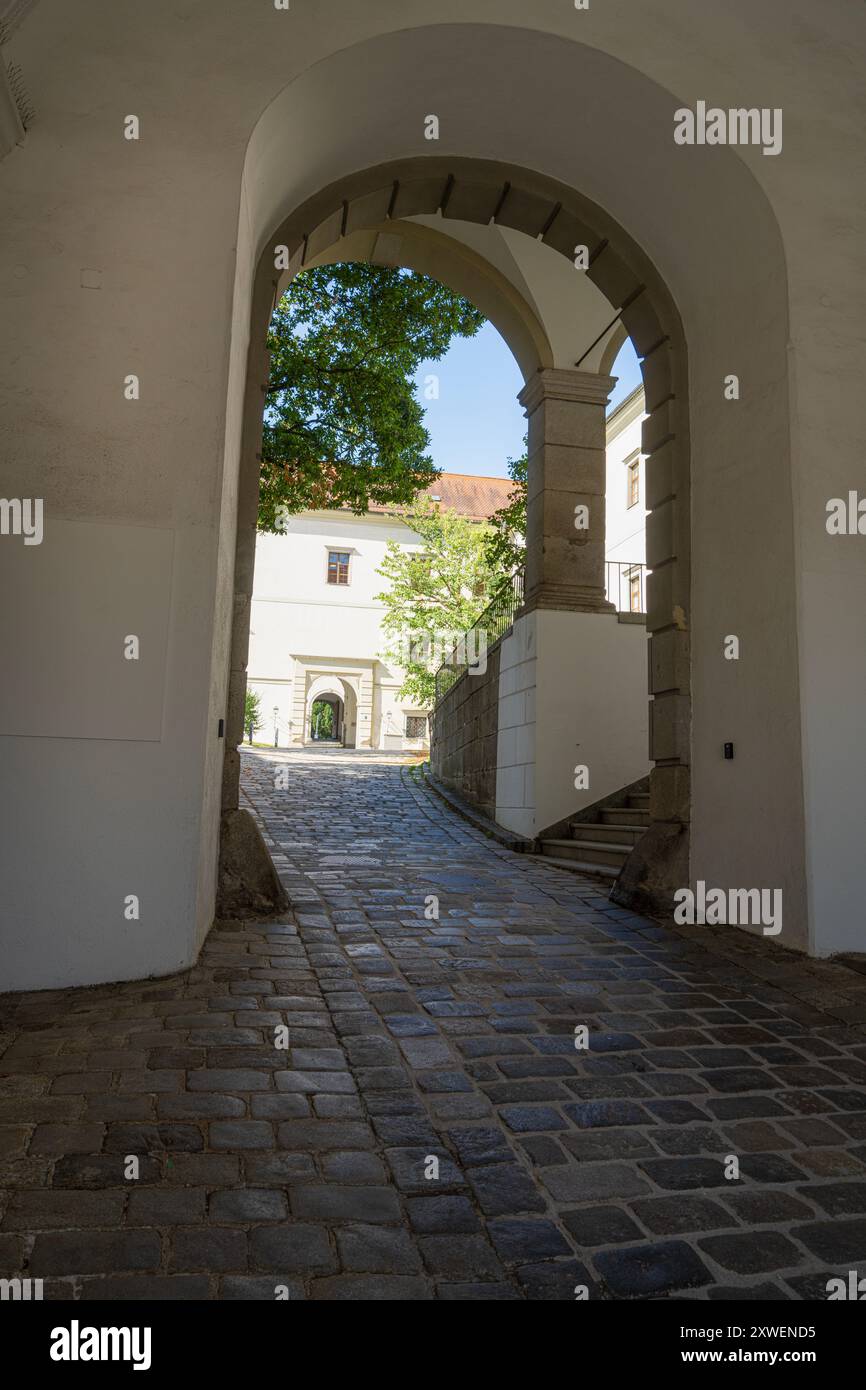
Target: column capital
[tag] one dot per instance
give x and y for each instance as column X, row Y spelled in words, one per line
column 565, row 384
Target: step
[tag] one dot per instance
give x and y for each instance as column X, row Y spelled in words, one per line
column 552, row 853
column 640, row 799
column 591, row 852
column 596, row 853
column 618, row 833
column 626, row 815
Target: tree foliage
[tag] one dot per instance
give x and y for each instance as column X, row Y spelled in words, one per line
column 343, row 426
column 252, row 712
column 322, row 719
column 505, row 542
column 434, row 594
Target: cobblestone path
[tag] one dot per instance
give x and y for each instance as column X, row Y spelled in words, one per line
column 413, row 1038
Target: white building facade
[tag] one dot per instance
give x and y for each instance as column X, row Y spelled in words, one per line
column 625, row 506
column 316, row 628
column 316, row 633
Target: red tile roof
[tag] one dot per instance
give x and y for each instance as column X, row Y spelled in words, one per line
column 466, row 494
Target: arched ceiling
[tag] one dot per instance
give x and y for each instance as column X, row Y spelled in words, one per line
column 549, row 314
column 508, row 239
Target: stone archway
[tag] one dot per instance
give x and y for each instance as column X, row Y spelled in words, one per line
column 350, row 720
column 580, row 99
column 334, row 704
column 626, row 182
column 463, row 190
column 335, row 691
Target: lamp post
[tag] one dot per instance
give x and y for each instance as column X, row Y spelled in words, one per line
column 276, row 730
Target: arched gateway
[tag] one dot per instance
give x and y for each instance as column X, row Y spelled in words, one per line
column 321, row 140
column 617, row 292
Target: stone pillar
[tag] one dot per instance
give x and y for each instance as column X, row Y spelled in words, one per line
column 248, row 884
column 660, row 862
column 567, row 472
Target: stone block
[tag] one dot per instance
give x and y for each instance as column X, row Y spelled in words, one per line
column 248, row 883
column 658, row 427
column 670, row 727
column 472, row 202
column 661, row 474
column 669, row 661
column 661, row 533
column 570, row 468
column 668, row 602
column 323, row 237
column 613, row 277
column 643, row 324
column 657, row 866
column 417, row 196
column 670, row 793
column 568, row 231
column 658, row 380
column 579, row 424
column 369, row 209
column 527, row 212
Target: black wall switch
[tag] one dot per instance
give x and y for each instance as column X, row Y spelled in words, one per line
column 729, row 750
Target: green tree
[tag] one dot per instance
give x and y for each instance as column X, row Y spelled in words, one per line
column 343, row 426
column 322, row 719
column 435, row 593
column 252, row 712
column 505, row 542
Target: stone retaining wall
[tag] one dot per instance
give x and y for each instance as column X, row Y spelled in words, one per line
column 465, row 725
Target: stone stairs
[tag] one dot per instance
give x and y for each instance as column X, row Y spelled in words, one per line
column 602, row 845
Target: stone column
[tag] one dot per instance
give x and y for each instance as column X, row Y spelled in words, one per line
column 248, row 884
column 567, row 473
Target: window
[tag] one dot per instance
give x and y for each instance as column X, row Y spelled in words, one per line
column 416, row 726
column 633, row 482
column 635, row 597
column 338, row 566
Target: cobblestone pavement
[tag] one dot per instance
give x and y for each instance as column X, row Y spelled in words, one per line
column 413, row 1038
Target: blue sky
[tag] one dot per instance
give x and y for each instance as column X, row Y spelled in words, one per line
column 476, row 424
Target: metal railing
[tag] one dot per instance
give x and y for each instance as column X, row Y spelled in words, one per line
column 625, row 586
column 496, row 619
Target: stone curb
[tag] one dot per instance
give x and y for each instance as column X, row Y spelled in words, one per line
column 519, row 844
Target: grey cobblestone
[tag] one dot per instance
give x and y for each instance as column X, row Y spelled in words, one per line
column 414, row 1037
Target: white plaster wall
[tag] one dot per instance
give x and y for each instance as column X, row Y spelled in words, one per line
column 591, row 710
column 764, row 260
column 516, row 736
column 84, row 638
column 296, row 612
column 299, row 618
column 279, row 696
column 572, row 691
